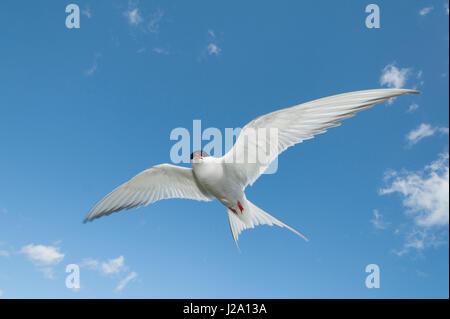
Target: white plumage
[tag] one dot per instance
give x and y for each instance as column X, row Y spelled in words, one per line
column 227, row 177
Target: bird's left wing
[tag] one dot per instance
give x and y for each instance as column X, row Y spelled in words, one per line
column 294, row 125
column 155, row 183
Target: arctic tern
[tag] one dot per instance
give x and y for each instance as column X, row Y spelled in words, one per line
column 226, row 178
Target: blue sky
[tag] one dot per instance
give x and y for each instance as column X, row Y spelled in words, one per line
column 83, row 110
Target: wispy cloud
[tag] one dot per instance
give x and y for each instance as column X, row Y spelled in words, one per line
column 4, row 253
column 136, row 17
column 422, row 274
column 131, row 277
column 419, row 239
column 47, row 271
column 423, row 131
column 426, row 200
column 413, row 107
column 213, row 49
column 112, row 266
column 154, row 21
column 87, row 12
column 90, row 263
column 160, row 51
column 94, row 66
column 1, row 292
column 378, row 220
column 212, row 46
column 211, row 33
column 133, row 15
column 425, row 11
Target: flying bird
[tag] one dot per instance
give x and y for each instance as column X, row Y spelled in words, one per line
column 227, row 177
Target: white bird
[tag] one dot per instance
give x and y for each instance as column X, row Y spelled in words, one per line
column 226, row 178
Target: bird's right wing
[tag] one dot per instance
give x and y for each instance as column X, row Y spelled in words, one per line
column 294, row 125
column 155, row 183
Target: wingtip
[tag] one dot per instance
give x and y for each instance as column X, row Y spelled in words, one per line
column 405, row 91
column 87, row 219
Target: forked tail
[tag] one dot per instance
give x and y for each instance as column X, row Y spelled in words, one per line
column 252, row 217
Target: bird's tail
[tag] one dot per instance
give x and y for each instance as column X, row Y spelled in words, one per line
column 250, row 217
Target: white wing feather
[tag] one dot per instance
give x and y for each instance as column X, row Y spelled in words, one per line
column 155, row 183
column 296, row 124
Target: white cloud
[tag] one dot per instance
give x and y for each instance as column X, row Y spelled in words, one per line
column 90, row 263
column 413, row 107
column 92, row 69
column 419, row 240
column 87, row 12
column 416, row 135
column 136, row 18
column 422, row 274
column 160, row 51
column 110, row 267
column 423, row 131
column 47, row 271
column 378, row 220
column 42, row 255
column 4, row 253
column 113, row 266
column 425, row 11
column 133, row 16
column 94, row 66
column 394, row 77
column 155, row 19
column 426, row 198
column 131, row 277
column 425, row 193
column 213, row 49
column 211, row 33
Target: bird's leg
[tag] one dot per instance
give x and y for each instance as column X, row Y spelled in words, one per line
column 240, row 206
column 233, row 210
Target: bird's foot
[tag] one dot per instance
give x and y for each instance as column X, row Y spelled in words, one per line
column 240, row 206
column 233, row 210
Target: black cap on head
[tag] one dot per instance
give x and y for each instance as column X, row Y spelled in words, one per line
column 199, row 153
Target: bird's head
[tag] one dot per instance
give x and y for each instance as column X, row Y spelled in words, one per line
column 198, row 156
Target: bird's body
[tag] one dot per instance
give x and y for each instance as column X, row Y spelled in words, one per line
column 215, row 177
column 227, row 177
